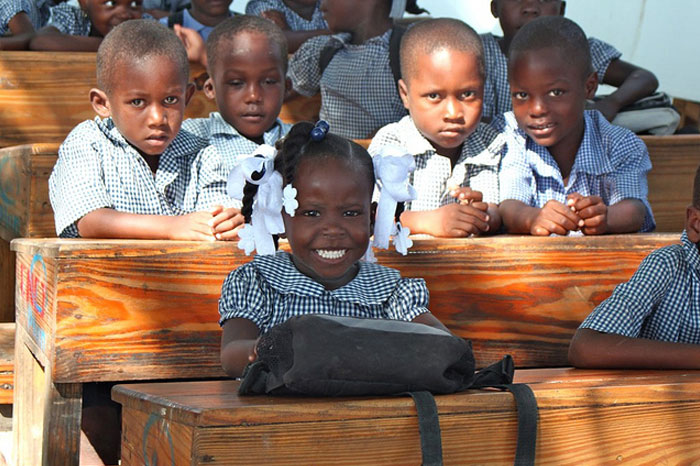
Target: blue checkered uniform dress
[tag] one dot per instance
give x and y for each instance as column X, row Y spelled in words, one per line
column 38, row 13
column 358, row 91
column 97, row 168
column 660, row 302
column 477, row 167
column 269, row 290
column 294, row 21
column 497, row 98
column 611, row 162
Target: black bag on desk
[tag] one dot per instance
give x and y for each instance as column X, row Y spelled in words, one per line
column 320, row 355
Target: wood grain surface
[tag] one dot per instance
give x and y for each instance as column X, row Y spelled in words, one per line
column 599, row 420
column 7, row 357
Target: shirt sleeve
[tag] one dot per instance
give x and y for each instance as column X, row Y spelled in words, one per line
column 304, row 68
column 10, row 9
column 409, row 300
column 516, row 178
column 255, row 7
column 211, row 181
column 69, row 20
column 76, row 185
column 602, row 54
column 625, row 311
column 242, row 297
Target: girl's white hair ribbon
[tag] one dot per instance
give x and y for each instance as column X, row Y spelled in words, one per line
column 392, row 165
column 266, row 219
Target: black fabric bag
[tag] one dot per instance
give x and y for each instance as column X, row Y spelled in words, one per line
column 320, row 355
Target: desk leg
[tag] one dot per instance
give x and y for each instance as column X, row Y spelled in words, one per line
column 46, row 416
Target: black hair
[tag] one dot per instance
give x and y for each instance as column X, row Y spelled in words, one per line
column 425, row 37
column 134, row 41
column 226, row 31
column 297, row 146
column 413, row 8
column 554, row 32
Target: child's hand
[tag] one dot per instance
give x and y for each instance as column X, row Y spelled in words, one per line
column 226, row 223
column 608, row 108
column 276, row 17
column 193, row 227
column 466, row 195
column 193, row 42
column 555, row 217
column 592, row 211
column 457, row 220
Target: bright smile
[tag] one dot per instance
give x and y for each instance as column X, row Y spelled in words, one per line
column 331, row 254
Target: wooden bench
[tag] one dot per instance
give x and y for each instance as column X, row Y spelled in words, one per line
column 582, row 420
column 113, row 310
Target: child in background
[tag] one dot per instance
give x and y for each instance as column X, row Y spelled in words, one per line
column 19, row 19
column 132, row 173
column 327, row 218
column 247, row 67
column 358, row 89
column 566, row 168
column 457, row 157
column 632, row 82
column 653, row 320
column 299, row 19
column 82, row 28
column 202, row 16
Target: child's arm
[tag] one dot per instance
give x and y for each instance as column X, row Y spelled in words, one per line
column 294, row 38
column 22, row 31
column 593, row 349
column 451, row 220
column 194, row 44
column 553, row 217
column 238, row 341
column 51, row 39
column 626, row 216
column 632, row 84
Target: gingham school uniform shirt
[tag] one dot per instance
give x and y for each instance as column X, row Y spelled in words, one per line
column 269, row 290
column 294, row 21
column 358, row 91
column 10, row 8
column 477, row 167
column 231, row 144
column 69, row 19
column 660, row 302
column 497, row 98
column 611, row 162
column 97, row 168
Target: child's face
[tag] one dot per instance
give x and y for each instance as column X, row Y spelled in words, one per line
column 106, row 14
column 212, row 8
column 248, row 83
column 549, row 96
column 146, row 103
column 514, row 14
column 331, row 228
column 444, row 96
column 345, row 15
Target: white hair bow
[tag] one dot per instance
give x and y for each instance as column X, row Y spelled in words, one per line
column 392, row 166
column 266, row 219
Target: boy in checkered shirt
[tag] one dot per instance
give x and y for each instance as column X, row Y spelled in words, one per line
column 566, row 169
column 457, row 157
column 299, row 19
column 131, row 172
column 653, row 320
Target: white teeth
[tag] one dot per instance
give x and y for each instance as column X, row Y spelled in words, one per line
column 331, row 253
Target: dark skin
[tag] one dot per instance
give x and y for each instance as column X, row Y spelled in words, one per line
column 305, row 9
column 631, row 81
column 22, row 32
column 593, row 349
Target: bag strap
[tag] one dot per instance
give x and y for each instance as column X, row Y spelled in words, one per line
column 327, row 54
column 397, row 33
column 428, row 427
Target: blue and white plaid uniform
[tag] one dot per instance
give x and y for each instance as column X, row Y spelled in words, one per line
column 611, row 162
column 37, row 13
column 97, row 168
column 477, row 167
column 358, row 91
column 497, row 98
column 231, row 144
column 294, row 21
column 269, row 290
column 660, row 302
column 69, row 19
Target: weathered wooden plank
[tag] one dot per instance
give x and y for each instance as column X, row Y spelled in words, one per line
column 7, row 357
column 644, row 419
column 300, row 108
column 674, row 161
column 7, row 282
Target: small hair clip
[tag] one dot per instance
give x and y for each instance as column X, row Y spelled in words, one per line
column 319, row 131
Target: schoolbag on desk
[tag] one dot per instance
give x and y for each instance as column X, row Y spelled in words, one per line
column 321, row 355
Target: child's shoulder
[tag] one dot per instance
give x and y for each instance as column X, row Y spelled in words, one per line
column 612, row 142
column 403, row 134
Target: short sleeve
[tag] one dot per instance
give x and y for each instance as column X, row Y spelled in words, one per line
column 69, row 20
column 76, row 184
column 409, row 299
column 242, row 297
column 602, row 54
column 211, row 181
column 625, row 311
column 304, row 68
column 9, row 9
column 256, row 7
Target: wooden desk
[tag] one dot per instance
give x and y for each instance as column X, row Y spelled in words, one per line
column 609, row 417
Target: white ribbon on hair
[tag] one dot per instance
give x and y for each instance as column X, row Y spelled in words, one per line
column 266, row 219
column 398, row 7
column 392, row 166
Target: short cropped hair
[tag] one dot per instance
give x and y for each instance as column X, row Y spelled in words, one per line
column 425, row 37
column 226, row 31
column 696, row 189
column 556, row 32
column 133, row 41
